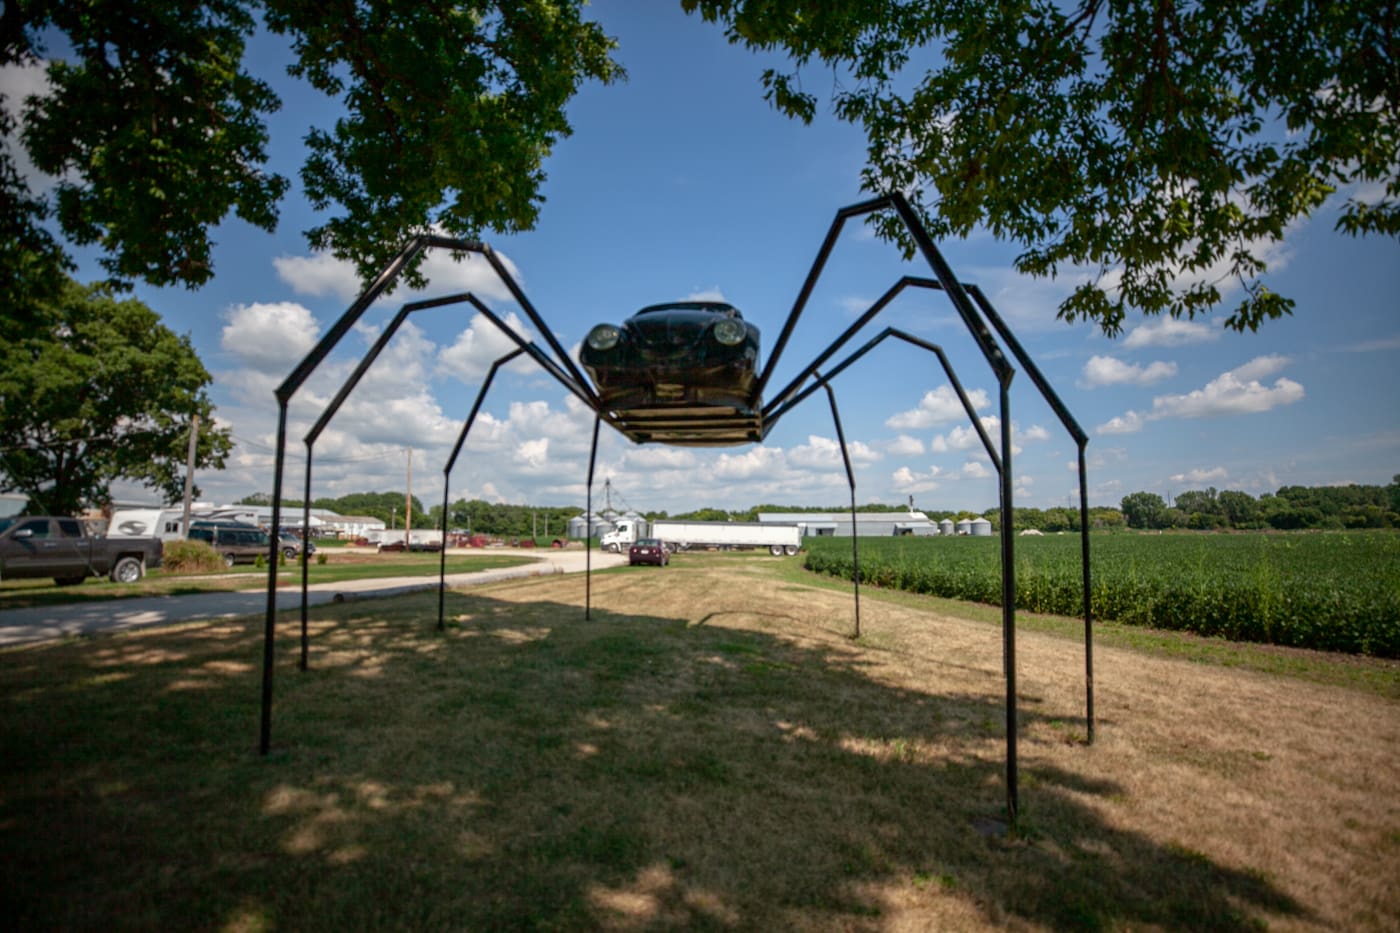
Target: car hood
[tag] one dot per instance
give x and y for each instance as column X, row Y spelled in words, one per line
column 673, row 328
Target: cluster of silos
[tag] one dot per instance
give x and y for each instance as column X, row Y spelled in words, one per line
column 589, row 526
column 974, row 527
column 597, row 525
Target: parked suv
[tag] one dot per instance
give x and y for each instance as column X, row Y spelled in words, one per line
column 291, row 545
column 236, row 543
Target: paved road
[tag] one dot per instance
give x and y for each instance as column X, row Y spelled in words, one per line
column 44, row 623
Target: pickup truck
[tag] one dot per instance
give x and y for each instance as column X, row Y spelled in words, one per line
column 60, row 547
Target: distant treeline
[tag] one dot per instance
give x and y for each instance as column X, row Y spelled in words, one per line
column 1291, row 508
column 477, row 516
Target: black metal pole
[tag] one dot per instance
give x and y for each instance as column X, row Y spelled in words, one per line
column 1088, row 618
column 1008, row 605
column 305, row 565
column 270, row 624
column 588, row 530
column 850, row 481
column 442, row 554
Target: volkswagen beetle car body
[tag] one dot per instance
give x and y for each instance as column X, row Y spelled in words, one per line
column 683, row 372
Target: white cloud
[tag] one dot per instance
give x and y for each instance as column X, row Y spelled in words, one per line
column 1034, row 433
column 269, row 338
column 471, row 273
column 939, row 406
column 17, row 83
column 1130, row 422
column 532, row 454
column 1201, row 475
column 318, row 274
column 963, row 438
column 1233, row 393
column 967, row 438
column 975, row 469
column 713, row 293
column 855, row 305
column 905, row 480
column 478, row 346
column 824, row 453
column 1371, row 346
column 905, row 446
column 1170, row 332
column 1107, row 371
column 1237, row 392
column 1260, row 367
column 321, row 274
column 657, row 457
column 760, row 461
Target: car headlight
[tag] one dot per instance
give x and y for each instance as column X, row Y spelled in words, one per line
column 729, row 332
column 604, row 337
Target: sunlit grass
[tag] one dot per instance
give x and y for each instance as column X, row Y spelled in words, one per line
column 339, row 567
column 710, row 750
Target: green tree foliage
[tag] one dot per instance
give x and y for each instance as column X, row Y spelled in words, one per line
column 158, row 130
column 1160, row 145
column 388, row 507
column 93, row 390
column 1291, row 508
column 511, row 521
column 1144, row 510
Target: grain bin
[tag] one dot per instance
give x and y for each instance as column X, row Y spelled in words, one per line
column 981, row 528
column 945, row 527
column 964, row 526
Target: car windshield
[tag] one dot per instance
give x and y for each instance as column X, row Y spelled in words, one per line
column 5, row 523
column 648, row 542
column 715, row 307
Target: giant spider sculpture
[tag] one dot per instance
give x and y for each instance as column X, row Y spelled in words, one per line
column 658, row 410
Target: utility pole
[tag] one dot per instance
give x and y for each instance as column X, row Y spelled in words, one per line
column 408, row 500
column 189, row 476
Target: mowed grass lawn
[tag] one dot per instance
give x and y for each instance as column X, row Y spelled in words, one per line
column 710, row 751
column 340, row 566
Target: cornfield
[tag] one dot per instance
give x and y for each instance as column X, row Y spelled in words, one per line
column 1328, row 591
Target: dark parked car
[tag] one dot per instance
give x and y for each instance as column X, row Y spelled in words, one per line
column 236, row 543
column 292, row 545
column 674, row 355
column 648, row 551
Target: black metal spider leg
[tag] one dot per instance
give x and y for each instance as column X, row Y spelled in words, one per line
column 792, row 387
column 325, row 419
column 976, row 327
column 834, row 231
column 588, row 521
column 534, row 316
column 948, row 371
column 452, row 461
column 1081, row 439
column 1008, row 603
column 1008, row 567
column 289, row 387
column 580, row 390
column 305, row 564
column 850, row 481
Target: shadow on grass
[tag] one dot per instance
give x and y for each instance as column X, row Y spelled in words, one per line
column 527, row 769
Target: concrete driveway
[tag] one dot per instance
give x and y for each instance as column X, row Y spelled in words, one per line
column 45, row 623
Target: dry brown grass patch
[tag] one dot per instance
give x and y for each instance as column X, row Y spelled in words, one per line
column 711, row 750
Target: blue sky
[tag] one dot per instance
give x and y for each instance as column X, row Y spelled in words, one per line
column 682, row 182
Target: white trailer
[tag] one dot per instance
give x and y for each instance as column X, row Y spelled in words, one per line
column 777, row 538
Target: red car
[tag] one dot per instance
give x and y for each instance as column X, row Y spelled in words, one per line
column 648, row 551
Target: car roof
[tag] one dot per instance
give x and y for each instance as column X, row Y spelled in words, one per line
column 717, row 307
